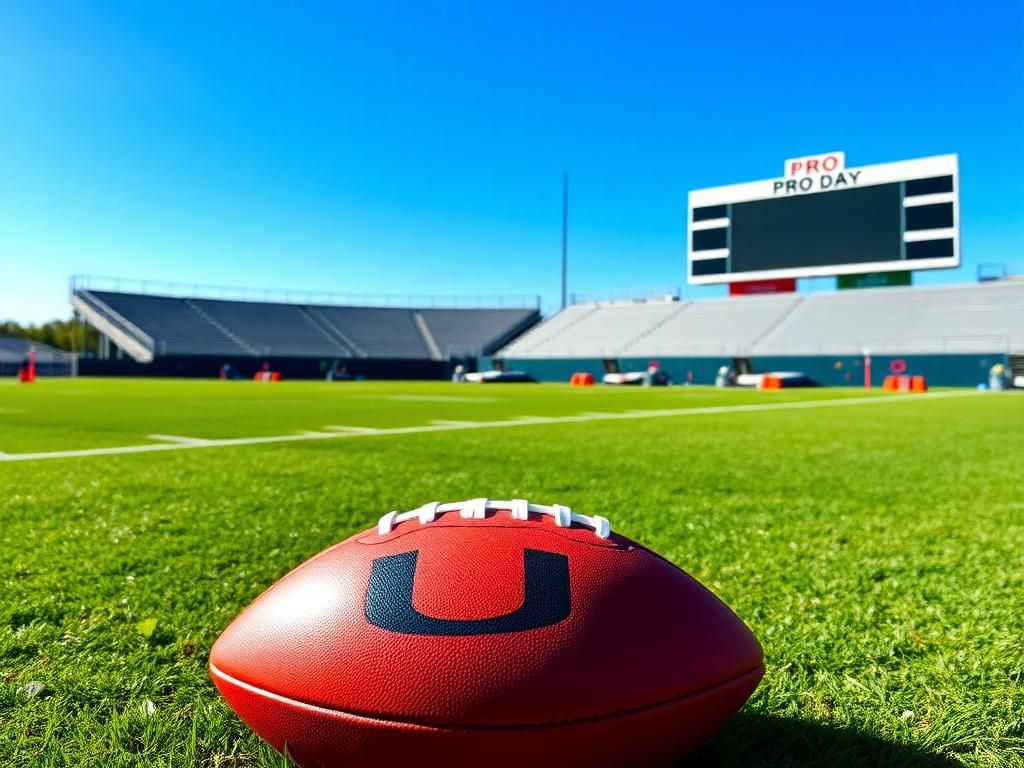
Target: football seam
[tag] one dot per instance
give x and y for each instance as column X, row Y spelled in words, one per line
column 757, row 672
column 615, row 543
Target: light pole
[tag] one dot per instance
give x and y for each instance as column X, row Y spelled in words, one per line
column 565, row 237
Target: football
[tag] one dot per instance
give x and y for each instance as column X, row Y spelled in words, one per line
column 498, row 633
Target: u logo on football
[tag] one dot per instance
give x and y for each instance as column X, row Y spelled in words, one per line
column 546, row 598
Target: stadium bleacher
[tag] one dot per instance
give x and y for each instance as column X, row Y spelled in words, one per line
column 174, row 327
column 152, row 326
column 377, row 331
column 270, row 330
column 716, row 327
column 50, row 361
column 987, row 317
column 602, row 332
column 457, row 332
column 543, row 335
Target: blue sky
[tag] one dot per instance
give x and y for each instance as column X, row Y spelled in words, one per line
column 418, row 147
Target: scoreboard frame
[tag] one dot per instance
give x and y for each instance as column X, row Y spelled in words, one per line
column 825, row 174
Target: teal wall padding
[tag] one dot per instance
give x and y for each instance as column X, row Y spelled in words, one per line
column 557, row 369
column 827, row 370
column 703, row 369
column 848, row 370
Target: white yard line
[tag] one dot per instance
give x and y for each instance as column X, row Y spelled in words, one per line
column 352, row 430
column 179, row 439
column 430, row 398
column 196, row 443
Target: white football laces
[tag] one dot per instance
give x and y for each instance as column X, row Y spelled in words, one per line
column 477, row 509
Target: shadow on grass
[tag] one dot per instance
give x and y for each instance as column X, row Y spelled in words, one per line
column 751, row 740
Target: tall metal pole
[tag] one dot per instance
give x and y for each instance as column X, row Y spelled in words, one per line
column 565, row 237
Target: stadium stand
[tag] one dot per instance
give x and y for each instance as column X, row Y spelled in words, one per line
column 531, row 343
column 457, row 332
column 150, row 327
column 172, row 327
column 607, row 330
column 975, row 324
column 49, row 360
column 987, row 317
column 270, row 330
column 715, row 327
column 377, row 331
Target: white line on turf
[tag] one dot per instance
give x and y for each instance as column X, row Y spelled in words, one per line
column 179, row 439
column 513, row 422
column 352, row 430
column 430, row 398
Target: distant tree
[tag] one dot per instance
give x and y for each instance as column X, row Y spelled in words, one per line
column 62, row 334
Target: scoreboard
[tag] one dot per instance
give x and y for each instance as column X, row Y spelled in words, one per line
column 823, row 218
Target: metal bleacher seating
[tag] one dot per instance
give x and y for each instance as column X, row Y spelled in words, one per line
column 471, row 332
column 981, row 318
column 151, row 326
column 978, row 318
column 283, row 330
column 382, row 331
column 537, row 339
column 599, row 330
column 717, row 327
column 173, row 325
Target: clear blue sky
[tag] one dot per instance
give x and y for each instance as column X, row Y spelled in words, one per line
column 418, row 147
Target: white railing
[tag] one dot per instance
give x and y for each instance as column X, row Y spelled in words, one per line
column 988, row 344
column 904, row 345
column 334, row 298
column 622, row 295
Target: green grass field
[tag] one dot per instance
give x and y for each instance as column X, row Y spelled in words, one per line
column 875, row 547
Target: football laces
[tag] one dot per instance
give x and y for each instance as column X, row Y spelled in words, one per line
column 477, row 509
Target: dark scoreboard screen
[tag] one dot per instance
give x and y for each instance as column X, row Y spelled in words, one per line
column 859, row 227
column 855, row 226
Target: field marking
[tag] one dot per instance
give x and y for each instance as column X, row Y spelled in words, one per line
column 179, row 439
column 429, row 398
column 342, row 428
column 499, row 424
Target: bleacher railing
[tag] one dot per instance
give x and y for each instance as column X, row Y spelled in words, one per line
column 657, row 293
column 990, row 344
column 115, row 318
column 904, row 345
column 281, row 296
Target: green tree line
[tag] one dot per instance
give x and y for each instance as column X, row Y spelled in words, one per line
column 62, row 334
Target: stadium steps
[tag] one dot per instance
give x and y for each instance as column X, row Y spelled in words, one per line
column 428, row 337
column 331, row 331
column 383, row 332
column 638, row 339
column 529, row 321
column 222, row 328
column 965, row 319
column 462, row 333
column 777, row 322
column 550, row 329
column 139, row 345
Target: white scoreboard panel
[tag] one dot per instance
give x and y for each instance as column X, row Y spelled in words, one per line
column 823, row 218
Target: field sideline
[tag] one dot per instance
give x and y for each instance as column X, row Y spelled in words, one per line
column 873, row 545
